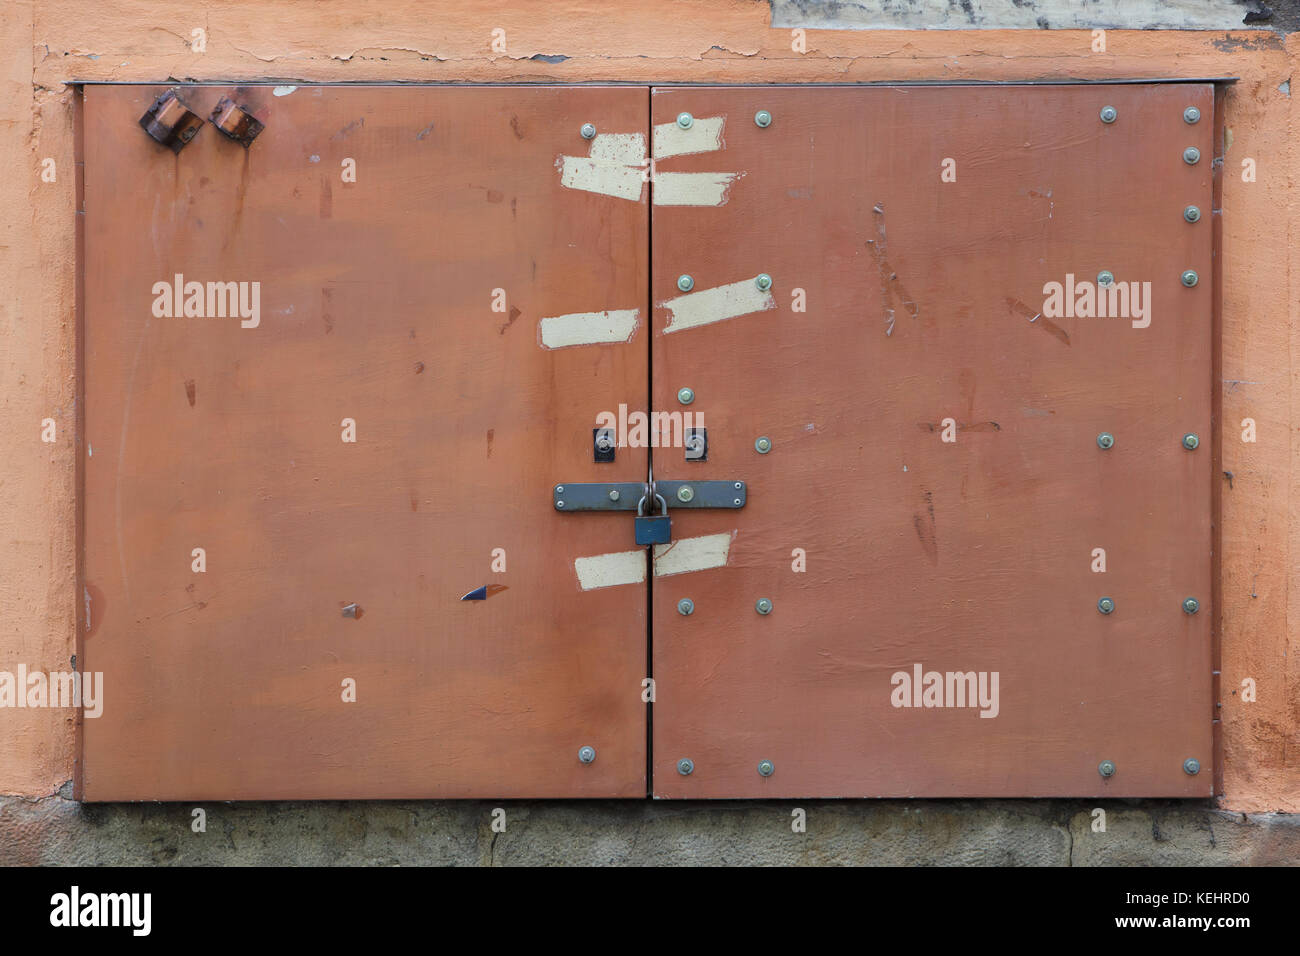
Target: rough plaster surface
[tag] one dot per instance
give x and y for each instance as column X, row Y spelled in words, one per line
column 55, row 831
column 44, row 45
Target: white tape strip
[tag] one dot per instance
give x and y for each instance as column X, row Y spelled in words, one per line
column 587, row 328
column 714, row 305
column 693, row 554
column 704, row 136
column 693, row 189
column 593, row 176
column 609, row 570
column 623, row 149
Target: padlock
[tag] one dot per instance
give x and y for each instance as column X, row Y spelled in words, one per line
column 653, row 529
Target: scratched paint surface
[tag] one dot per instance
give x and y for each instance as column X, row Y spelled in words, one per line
column 925, row 302
column 376, row 305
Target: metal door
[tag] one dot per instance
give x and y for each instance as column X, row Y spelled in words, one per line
column 955, row 468
column 284, row 507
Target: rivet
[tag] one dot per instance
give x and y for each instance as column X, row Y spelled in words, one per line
column 763, row 606
column 1191, row 605
column 1190, row 278
column 1192, row 214
column 739, row 485
column 685, row 766
column 685, row 283
column 686, row 395
column 1106, row 768
column 763, row 119
column 586, row 754
column 1105, row 278
column 1106, row 605
column 763, row 445
column 685, row 493
column 613, row 494
column 763, row 281
column 1191, row 766
column 685, row 607
column 588, row 131
column 1191, row 155
column 1191, row 442
column 766, row 768
column 1109, row 114
column 559, row 489
column 1105, row 440
column 1191, row 115
column 559, row 504
column 736, row 502
column 685, row 120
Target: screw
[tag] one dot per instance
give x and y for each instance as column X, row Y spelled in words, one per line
column 763, row 606
column 586, row 754
column 1192, row 214
column 1105, row 440
column 686, row 395
column 685, row 493
column 613, row 494
column 763, row 119
column 1191, row 605
column 559, row 504
column 1190, row 278
column 685, row 766
column 1106, row 768
column 736, row 502
column 739, row 485
column 763, row 446
column 766, row 768
column 685, row 283
column 764, row 282
column 1109, row 114
column 685, row 120
column 1106, row 605
column 1105, row 278
column 1191, row 442
column 1191, row 766
column 350, row 611
column 588, row 131
column 1191, row 155
column 559, row 489
column 685, row 607
column 1191, row 115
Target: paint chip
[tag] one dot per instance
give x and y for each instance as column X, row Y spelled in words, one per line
column 715, row 305
column 283, row 90
column 485, row 592
column 588, row 328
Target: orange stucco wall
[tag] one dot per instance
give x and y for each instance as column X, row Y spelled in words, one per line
column 46, row 45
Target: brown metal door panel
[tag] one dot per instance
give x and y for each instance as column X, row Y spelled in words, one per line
column 925, row 301
column 375, row 305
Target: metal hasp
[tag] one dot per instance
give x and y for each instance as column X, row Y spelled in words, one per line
column 597, row 496
column 170, row 121
column 236, row 122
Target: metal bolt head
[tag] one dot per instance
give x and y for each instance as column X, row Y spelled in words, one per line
column 763, row 606
column 686, row 395
column 1190, row 278
column 1192, row 214
column 586, row 754
column 763, row 445
column 1191, row 115
column 685, row 283
column 1191, row 605
column 1191, row 766
column 766, row 768
column 1106, row 605
column 685, row 607
column 763, row 119
column 559, row 489
column 1106, row 768
column 559, row 504
column 685, row 493
column 763, row 281
column 1191, row 442
column 1109, row 114
column 1191, row 155
column 613, row 494
column 1105, row 440
column 1105, row 278
column 685, row 766
column 588, row 131
column 685, row 120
